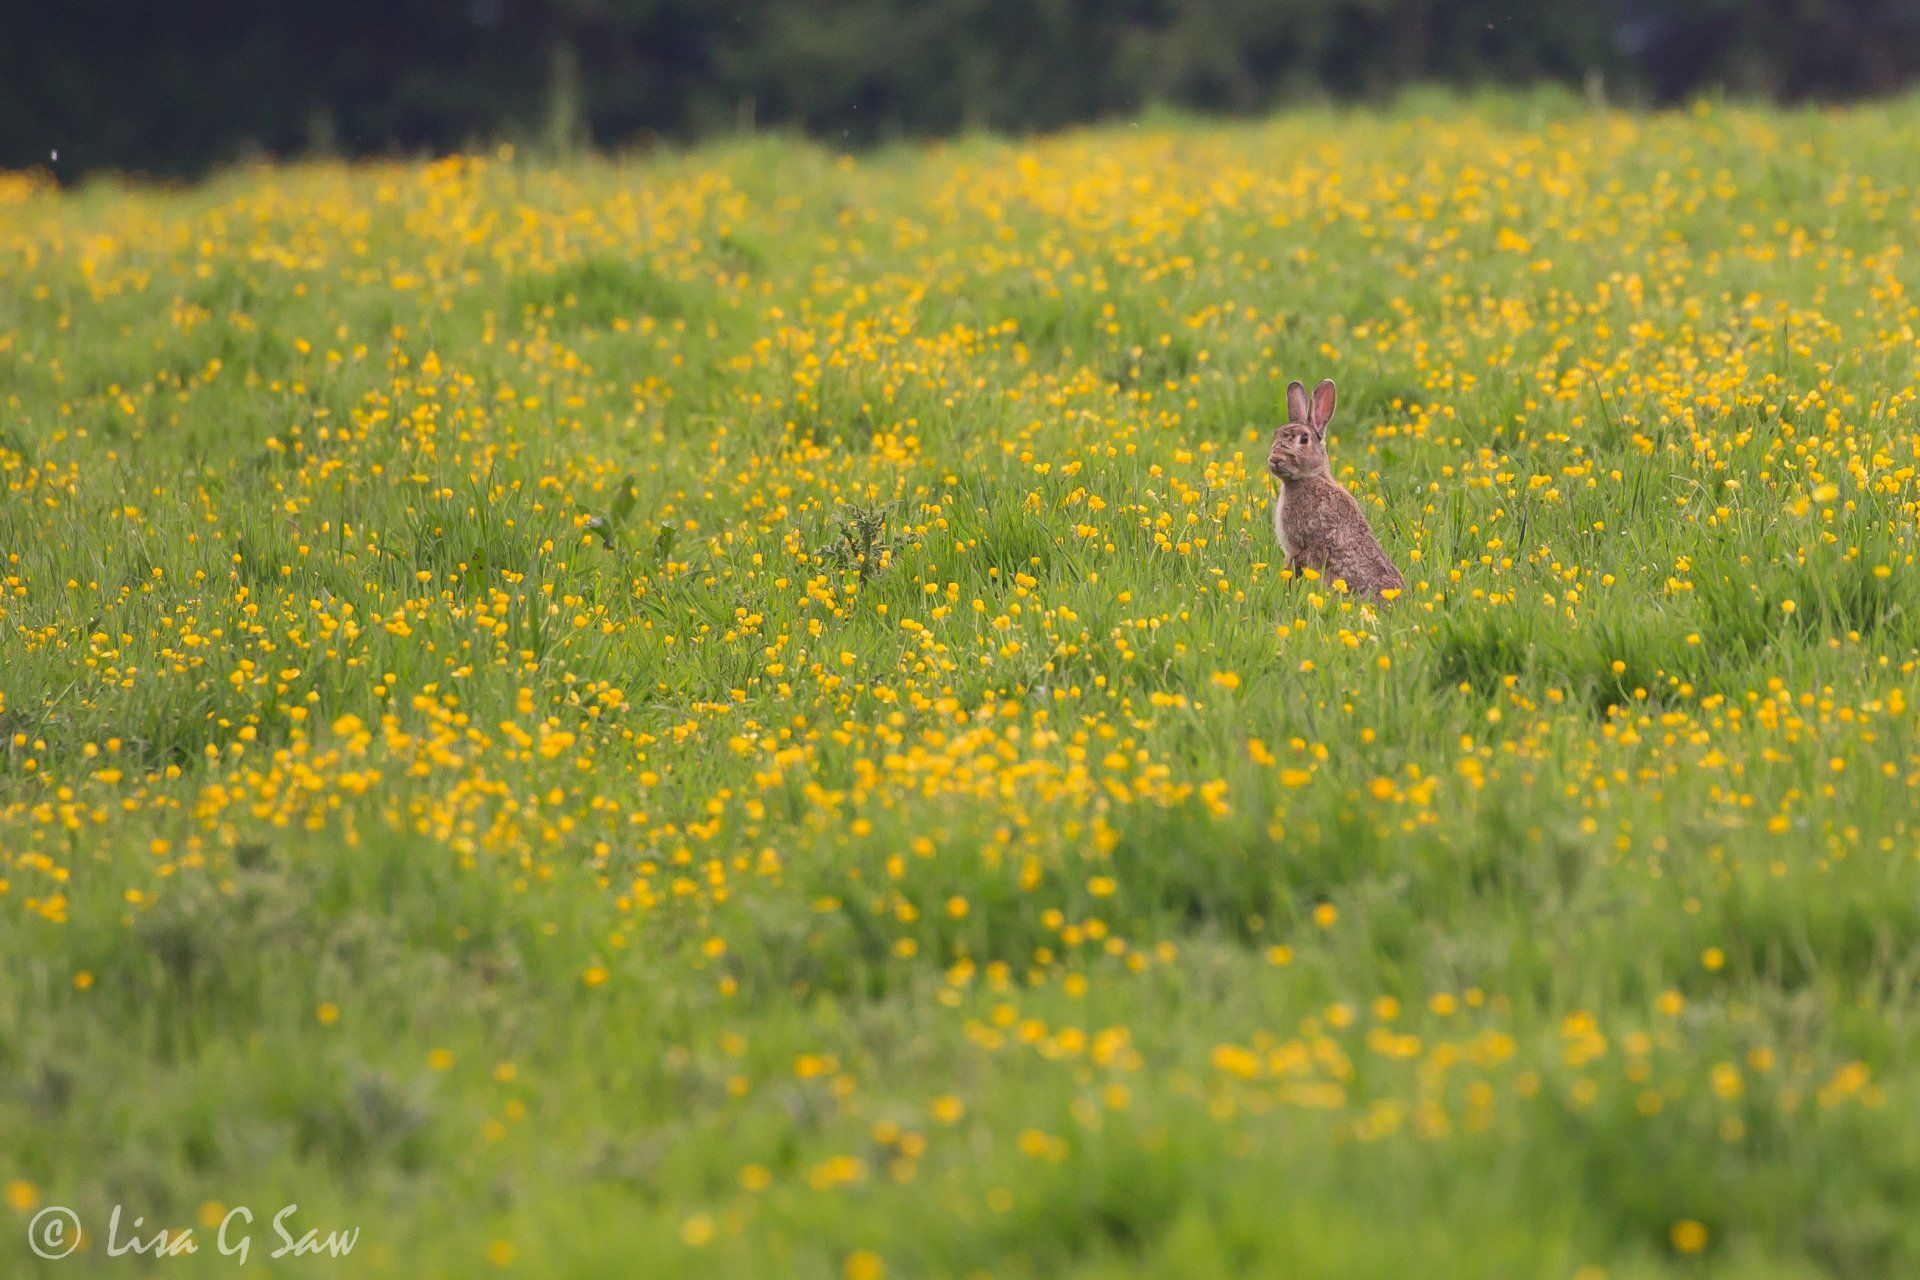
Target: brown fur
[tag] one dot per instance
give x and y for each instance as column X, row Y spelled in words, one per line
column 1319, row 524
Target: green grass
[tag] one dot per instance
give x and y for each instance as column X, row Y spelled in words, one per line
column 738, row 713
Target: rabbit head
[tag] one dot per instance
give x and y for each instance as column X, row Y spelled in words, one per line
column 1300, row 447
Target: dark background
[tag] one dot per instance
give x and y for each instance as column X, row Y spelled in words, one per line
column 171, row 88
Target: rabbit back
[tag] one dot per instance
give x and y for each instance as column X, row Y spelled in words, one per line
column 1321, row 527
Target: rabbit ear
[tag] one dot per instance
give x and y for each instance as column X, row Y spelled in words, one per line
column 1322, row 407
column 1297, row 403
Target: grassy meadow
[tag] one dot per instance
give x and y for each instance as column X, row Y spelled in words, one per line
column 737, row 713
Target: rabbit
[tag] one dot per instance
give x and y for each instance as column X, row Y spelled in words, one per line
column 1318, row 522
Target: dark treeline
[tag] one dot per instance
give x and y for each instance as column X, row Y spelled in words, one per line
column 171, row 88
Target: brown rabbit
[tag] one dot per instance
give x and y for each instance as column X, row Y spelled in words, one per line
column 1319, row 524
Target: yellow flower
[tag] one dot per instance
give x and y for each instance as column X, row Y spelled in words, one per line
column 1688, row 1236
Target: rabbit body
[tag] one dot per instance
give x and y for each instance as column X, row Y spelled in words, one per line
column 1319, row 524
